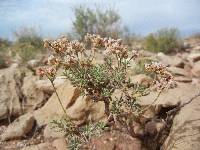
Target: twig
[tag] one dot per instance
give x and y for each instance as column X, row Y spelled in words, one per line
column 145, row 109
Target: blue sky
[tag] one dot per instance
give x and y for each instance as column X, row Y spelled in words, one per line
column 53, row 17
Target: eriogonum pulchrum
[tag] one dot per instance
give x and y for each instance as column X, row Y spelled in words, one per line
column 100, row 81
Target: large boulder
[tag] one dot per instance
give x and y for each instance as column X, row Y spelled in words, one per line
column 193, row 57
column 175, row 61
column 178, row 71
column 33, row 97
column 80, row 108
column 10, row 92
column 46, row 86
column 185, row 131
column 196, row 69
column 19, row 128
column 141, row 79
column 171, row 97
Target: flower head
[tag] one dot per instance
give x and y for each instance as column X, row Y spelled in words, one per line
column 164, row 79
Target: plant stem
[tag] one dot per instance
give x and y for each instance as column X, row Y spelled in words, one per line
column 107, row 109
column 59, row 98
column 145, row 109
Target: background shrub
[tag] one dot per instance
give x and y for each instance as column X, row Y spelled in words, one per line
column 28, row 44
column 3, row 63
column 165, row 40
column 97, row 21
column 4, row 52
column 4, row 45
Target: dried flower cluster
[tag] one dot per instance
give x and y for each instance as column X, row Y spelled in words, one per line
column 163, row 78
column 49, row 72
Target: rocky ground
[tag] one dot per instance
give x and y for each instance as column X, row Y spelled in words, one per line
column 28, row 104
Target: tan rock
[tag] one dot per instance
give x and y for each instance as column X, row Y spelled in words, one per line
column 178, row 71
column 78, row 107
column 185, row 133
column 60, row 144
column 183, row 79
column 193, row 57
column 196, row 69
column 175, row 61
column 32, row 95
column 171, row 97
column 32, row 64
column 115, row 140
column 45, row 85
column 41, row 146
column 141, row 79
column 19, row 128
column 52, row 133
column 10, row 91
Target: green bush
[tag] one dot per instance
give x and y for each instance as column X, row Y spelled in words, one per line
column 28, row 44
column 165, row 40
column 103, row 22
column 4, row 52
column 4, row 45
column 2, row 62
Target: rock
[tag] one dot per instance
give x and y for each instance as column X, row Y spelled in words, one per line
column 145, row 53
column 186, row 45
column 138, row 131
column 78, row 107
column 115, row 140
column 175, row 61
column 195, row 81
column 196, row 69
column 141, row 79
column 41, row 146
column 197, row 48
column 60, row 144
column 19, row 128
column 154, row 127
column 178, row 71
column 193, row 57
column 32, row 95
column 10, row 92
column 51, row 133
column 46, row 87
column 32, row 64
column 182, row 79
column 185, row 133
column 171, row 97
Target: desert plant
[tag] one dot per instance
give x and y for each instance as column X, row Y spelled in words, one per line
column 28, row 44
column 77, row 135
column 165, row 40
column 99, row 81
column 105, row 22
column 5, row 59
column 2, row 62
column 4, row 45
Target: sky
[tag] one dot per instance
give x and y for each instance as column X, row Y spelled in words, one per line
column 54, row 17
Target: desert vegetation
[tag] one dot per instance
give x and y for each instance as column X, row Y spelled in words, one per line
column 165, row 40
column 99, row 87
column 99, row 81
